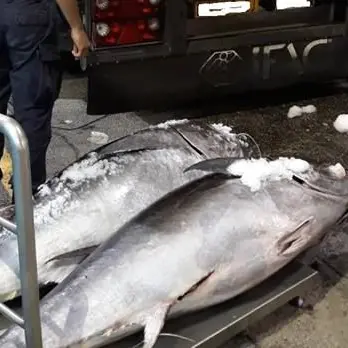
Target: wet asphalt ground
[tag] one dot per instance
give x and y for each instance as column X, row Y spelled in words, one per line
column 310, row 137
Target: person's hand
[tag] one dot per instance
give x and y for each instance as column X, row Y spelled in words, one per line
column 81, row 42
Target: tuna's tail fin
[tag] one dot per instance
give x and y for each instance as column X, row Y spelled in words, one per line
column 249, row 150
column 8, row 212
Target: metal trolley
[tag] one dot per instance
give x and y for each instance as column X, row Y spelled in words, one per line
column 208, row 328
column 24, row 229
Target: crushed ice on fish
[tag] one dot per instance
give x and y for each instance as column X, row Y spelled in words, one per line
column 98, row 138
column 337, row 170
column 243, row 138
column 220, row 127
column 90, row 168
column 44, row 190
column 255, row 171
column 167, row 124
column 225, row 130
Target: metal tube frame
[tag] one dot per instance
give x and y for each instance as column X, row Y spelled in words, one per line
column 24, row 228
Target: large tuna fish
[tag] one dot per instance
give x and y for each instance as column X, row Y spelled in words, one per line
column 90, row 199
column 186, row 251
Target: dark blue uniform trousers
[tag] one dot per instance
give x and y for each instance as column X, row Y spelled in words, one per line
column 30, row 70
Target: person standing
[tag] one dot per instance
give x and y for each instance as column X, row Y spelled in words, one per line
column 30, row 69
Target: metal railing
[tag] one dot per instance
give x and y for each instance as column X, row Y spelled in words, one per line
column 24, row 229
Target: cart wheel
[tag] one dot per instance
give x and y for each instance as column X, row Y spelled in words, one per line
column 268, row 5
column 299, row 302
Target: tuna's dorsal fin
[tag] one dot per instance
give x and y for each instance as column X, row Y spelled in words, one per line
column 83, row 252
column 215, row 165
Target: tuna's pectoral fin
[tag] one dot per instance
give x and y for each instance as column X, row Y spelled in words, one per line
column 60, row 266
column 154, row 325
column 295, row 240
column 83, row 253
column 154, row 319
column 215, row 165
